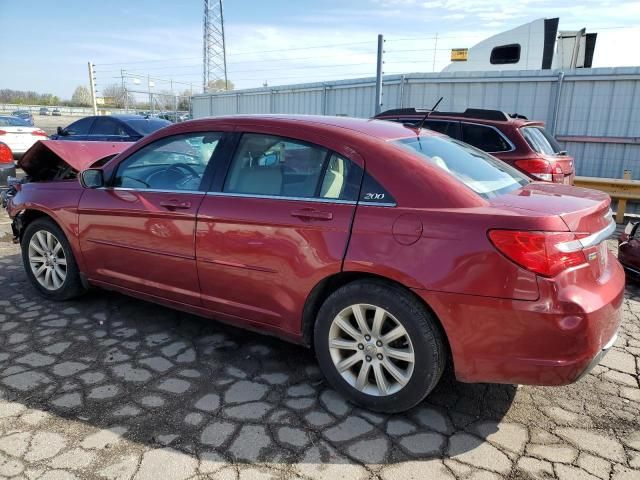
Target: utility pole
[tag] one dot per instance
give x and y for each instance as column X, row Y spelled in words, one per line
column 379, row 75
column 92, row 85
column 435, row 51
column 124, row 92
column 214, row 52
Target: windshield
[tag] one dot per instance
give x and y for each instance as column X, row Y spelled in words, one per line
column 541, row 141
column 482, row 173
column 145, row 126
column 13, row 122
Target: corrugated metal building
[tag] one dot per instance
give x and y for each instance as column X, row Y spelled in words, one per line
column 595, row 113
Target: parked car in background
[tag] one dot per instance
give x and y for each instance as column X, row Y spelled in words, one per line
column 24, row 115
column 391, row 250
column 44, row 111
column 7, row 164
column 629, row 249
column 522, row 143
column 112, row 128
column 56, row 112
column 18, row 135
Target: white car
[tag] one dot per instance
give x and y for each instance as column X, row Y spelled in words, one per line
column 18, row 135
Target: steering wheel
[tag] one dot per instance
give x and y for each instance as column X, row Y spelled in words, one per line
column 184, row 166
column 177, row 175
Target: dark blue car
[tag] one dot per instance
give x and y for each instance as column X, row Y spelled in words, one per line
column 112, row 128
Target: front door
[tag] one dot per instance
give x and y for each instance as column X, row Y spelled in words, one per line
column 138, row 232
column 277, row 225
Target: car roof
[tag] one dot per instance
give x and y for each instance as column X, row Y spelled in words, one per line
column 371, row 127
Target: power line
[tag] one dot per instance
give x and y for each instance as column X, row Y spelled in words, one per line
column 231, row 53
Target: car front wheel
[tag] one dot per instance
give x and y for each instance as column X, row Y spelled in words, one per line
column 379, row 346
column 49, row 261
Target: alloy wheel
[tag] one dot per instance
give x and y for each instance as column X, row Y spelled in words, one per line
column 47, row 260
column 371, row 350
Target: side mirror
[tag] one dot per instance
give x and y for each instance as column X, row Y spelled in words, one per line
column 92, row 178
column 61, row 131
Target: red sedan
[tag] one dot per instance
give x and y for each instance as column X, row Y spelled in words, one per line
column 391, row 250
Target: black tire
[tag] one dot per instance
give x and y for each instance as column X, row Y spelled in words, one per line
column 422, row 328
column 72, row 286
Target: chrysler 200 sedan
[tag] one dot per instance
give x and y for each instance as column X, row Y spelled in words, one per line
column 391, row 250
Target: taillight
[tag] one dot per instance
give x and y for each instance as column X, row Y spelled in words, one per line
column 6, row 155
column 544, row 253
column 536, row 167
column 3, row 132
column 40, row 133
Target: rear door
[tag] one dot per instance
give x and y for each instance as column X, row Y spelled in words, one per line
column 276, row 222
column 139, row 232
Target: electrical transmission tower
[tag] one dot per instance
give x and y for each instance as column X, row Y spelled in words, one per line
column 214, row 53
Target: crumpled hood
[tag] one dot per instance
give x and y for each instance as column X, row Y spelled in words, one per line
column 46, row 157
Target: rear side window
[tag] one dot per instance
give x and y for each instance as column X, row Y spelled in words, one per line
column 341, row 180
column 541, row 141
column 485, row 138
column 108, row 126
column 482, row 173
column 447, row 128
column 81, row 127
column 271, row 165
column 145, row 126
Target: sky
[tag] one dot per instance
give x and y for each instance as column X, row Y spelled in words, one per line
column 45, row 45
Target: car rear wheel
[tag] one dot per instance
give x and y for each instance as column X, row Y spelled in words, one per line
column 49, row 261
column 379, row 346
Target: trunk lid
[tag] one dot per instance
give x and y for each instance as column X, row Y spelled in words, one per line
column 585, row 212
column 47, row 158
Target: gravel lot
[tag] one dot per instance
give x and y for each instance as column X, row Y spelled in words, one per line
column 116, row 388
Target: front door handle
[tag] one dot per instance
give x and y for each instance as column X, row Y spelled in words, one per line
column 312, row 214
column 175, row 205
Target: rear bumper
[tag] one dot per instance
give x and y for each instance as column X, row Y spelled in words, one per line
column 596, row 360
column 550, row 341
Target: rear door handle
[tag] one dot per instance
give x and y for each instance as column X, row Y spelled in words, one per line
column 311, row 214
column 175, row 205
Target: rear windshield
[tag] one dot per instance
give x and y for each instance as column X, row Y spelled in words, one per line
column 13, row 122
column 541, row 141
column 482, row 173
column 145, row 126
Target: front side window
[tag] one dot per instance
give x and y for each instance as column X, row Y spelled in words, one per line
column 485, row 138
column 541, row 141
column 482, row 173
column 175, row 163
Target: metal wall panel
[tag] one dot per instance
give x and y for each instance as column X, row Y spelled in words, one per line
column 601, row 102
